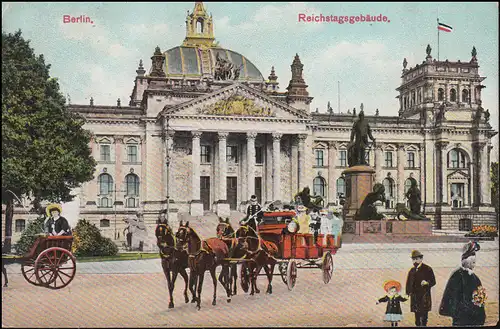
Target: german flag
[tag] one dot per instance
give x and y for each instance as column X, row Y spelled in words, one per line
column 444, row 27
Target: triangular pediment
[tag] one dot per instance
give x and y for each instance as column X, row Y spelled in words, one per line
column 458, row 175
column 236, row 100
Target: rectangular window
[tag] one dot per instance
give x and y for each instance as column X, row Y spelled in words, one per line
column 457, row 195
column 319, row 158
column 131, row 153
column 20, row 225
column 105, row 152
column 205, row 154
column 232, row 154
column 131, row 203
column 411, row 159
column 388, row 159
column 259, row 155
column 343, row 158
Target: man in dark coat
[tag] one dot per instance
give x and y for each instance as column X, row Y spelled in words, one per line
column 464, row 297
column 254, row 213
column 418, row 286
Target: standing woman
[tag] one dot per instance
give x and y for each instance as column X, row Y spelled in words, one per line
column 56, row 224
column 464, row 296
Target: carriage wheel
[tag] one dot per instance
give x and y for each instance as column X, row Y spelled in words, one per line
column 55, row 268
column 244, row 278
column 327, row 267
column 282, row 268
column 291, row 274
column 28, row 270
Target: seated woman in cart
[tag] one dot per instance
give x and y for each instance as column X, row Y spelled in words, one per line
column 56, row 224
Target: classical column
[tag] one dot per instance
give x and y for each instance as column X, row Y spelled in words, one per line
column 251, row 163
column 295, row 167
column 379, row 161
column 484, row 179
column 332, row 172
column 421, row 165
column 444, row 168
column 276, row 166
column 195, row 158
column 302, row 161
column 168, row 141
column 401, row 173
column 196, row 204
column 222, row 166
column 119, row 177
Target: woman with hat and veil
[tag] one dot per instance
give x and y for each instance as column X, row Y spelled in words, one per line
column 56, row 224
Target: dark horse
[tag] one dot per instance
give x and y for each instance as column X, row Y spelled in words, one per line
column 261, row 254
column 203, row 255
column 226, row 233
column 173, row 260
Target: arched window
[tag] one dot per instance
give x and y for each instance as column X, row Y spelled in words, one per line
column 389, row 191
column 465, row 96
column 340, row 187
column 20, row 225
column 457, row 159
column 104, row 223
column 105, row 184
column 453, row 95
column 132, row 183
column 199, row 25
column 105, row 203
column 440, row 94
column 319, row 186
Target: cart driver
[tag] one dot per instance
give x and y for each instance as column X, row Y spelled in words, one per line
column 254, row 213
column 56, row 225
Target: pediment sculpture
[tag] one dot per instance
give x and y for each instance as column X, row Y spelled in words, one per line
column 237, row 105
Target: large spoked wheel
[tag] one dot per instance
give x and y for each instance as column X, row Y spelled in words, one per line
column 28, row 270
column 244, row 278
column 282, row 268
column 327, row 267
column 291, row 274
column 55, row 268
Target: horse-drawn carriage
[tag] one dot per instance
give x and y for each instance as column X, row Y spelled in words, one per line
column 49, row 263
column 294, row 250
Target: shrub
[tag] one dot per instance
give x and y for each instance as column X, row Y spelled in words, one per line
column 483, row 231
column 88, row 241
column 29, row 235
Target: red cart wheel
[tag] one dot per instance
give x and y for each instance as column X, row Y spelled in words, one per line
column 291, row 274
column 28, row 270
column 55, row 268
column 244, row 278
column 327, row 267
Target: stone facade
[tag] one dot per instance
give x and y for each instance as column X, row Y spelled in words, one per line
column 207, row 118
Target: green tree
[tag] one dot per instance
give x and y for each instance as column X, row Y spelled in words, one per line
column 494, row 186
column 88, row 241
column 45, row 150
column 29, row 235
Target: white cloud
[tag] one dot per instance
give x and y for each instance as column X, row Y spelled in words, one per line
column 95, row 36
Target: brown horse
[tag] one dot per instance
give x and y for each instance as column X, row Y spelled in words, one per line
column 204, row 255
column 261, row 253
column 173, row 260
column 226, row 233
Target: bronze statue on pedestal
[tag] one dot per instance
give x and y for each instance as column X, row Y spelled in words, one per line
column 359, row 141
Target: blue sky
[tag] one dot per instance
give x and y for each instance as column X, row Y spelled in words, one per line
column 100, row 59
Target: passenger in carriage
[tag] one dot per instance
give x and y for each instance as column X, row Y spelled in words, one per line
column 56, row 225
column 304, row 219
column 314, row 224
column 337, row 223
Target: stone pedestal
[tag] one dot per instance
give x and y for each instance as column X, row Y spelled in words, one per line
column 409, row 227
column 223, row 209
column 196, row 208
column 359, row 182
column 370, row 227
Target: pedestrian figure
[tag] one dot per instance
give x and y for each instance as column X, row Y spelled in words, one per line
column 418, row 286
column 337, row 224
column 393, row 312
column 464, row 296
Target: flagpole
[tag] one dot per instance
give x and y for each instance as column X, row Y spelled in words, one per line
column 438, row 36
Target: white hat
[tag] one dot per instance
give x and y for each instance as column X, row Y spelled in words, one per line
column 301, row 208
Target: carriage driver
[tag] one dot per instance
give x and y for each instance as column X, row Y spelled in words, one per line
column 56, row 224
column 254, row 213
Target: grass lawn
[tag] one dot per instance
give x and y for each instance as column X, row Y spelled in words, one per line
column 124, row 256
